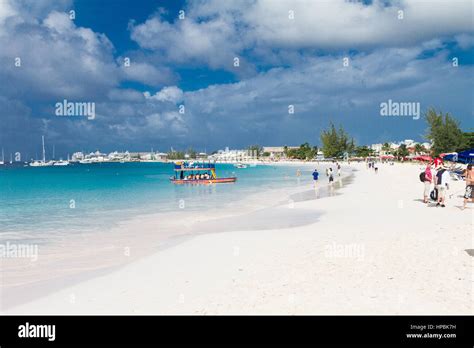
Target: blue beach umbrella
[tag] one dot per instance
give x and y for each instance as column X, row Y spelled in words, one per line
column 466, row 157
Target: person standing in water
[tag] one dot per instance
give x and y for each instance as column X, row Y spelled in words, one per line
column 315, row 176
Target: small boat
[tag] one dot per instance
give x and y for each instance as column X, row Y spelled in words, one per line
column 240, row 165
column 198, row 173
column 43, row 162
column 86, row 161
column 61, row 163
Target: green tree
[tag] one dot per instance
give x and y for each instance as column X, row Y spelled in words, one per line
column 386, row 148
column 304, row 152
column 420, row 149
column 175, row 155
column 444, row 133
column 255, row 150
column 402, row 151
column 336, row 142
column 468, row 142
column 363, row 151
column 191, row 153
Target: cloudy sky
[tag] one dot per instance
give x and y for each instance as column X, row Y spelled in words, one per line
column 226, row 72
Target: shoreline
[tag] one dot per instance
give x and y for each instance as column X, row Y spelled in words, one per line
column 350, row 259
column 107, row 248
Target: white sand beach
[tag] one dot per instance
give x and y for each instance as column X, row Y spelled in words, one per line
column 373, row 249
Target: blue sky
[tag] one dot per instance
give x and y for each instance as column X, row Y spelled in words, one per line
column 289, row 53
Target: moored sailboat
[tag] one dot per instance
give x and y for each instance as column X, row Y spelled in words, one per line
column 43, row 162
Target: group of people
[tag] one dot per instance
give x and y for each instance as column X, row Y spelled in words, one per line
column 439, row 179
column 329, row 173
column 204, row 176
column 373, row 165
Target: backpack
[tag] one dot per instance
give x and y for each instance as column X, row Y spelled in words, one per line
column 422, row 176
column 434, row 194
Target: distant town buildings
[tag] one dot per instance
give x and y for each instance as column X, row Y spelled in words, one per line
column 272, row 153
column 409, row 143
column 116, row 156
column 228, row 155
column 276, row 152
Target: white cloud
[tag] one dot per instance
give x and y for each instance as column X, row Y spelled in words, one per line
column 6, row 10
column 146, row 73
column 62, row 60
column 171, row 94
column 214, row 32
column 212, row 42
column 465, row 41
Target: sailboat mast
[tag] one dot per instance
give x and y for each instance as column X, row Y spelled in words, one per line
column 44, row 152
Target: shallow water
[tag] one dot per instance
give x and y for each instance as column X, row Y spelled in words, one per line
column 44, row 203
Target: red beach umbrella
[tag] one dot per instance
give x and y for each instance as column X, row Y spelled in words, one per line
column 423, row 158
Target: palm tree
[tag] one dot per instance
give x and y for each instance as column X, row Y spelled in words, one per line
column 386, row 148
column 420, row 149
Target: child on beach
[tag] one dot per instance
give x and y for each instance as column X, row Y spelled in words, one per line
column 469, row 194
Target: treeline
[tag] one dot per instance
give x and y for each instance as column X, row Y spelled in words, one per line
column 446, row 135
column 178, row 155
column 443, row 132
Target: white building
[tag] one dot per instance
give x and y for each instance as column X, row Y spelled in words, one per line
column 232, row 156
column 277, row 151
column 77, row 156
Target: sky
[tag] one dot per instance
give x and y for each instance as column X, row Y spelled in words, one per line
column 211, row 74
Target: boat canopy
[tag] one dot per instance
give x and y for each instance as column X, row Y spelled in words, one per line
column 191, row 166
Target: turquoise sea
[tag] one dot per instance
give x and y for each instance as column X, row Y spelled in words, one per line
column 37, row 203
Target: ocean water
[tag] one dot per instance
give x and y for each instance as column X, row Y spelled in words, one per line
column 36, row 202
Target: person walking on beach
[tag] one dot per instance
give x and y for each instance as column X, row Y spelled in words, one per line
column 315, row 176
column 338, row 169
column 442, row 184
column 428, row 179
column 331, row 177
column 469, row 194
